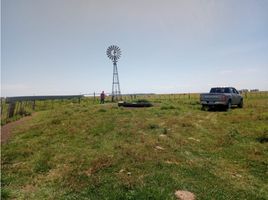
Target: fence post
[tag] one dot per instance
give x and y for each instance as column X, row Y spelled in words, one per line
column 21, row 109
column 11, row 109
column 33, row 104
column 94, row 96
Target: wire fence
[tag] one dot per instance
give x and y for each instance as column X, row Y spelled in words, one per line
column 24, row 108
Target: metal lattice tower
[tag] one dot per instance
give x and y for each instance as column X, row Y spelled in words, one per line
column 114, row 53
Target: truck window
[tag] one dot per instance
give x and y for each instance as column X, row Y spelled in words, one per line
column 235, row 91
column 220, row 90
column 216, row 90
column 227, row 90
column 213, row 90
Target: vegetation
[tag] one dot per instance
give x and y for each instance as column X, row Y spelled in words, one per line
column 93, row 151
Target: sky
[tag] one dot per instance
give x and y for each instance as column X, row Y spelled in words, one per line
column 57, row 47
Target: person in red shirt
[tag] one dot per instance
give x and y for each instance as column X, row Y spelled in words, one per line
column 102, row 97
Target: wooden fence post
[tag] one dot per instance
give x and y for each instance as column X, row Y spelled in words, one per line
column 94, row 97
column 21, row 110
column 11, row 109
column 33, row 104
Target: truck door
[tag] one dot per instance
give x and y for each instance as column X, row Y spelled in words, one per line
column 238, row 96
column 235, row 96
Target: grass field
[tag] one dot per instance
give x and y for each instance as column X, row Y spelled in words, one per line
column 92, row 151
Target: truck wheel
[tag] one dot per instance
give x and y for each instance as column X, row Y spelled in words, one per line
column 228, row 106
column 240, row 105
column 204, row 107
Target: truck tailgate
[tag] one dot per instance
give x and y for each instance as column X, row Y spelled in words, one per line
column 211, row 97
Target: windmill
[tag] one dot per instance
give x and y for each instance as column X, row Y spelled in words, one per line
column 113, row 52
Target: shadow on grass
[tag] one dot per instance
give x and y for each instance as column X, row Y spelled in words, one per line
column 219, row 109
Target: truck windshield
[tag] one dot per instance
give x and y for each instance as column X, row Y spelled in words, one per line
column 220, row 90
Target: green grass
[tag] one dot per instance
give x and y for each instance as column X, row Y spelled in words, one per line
column 92, row 151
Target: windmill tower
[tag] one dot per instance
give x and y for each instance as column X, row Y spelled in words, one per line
column 113, row 52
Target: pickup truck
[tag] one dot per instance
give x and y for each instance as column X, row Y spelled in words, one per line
column 221, row 97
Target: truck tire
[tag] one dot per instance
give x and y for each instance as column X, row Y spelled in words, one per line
column 228, row 105
column 240, row 105
column 204, row 107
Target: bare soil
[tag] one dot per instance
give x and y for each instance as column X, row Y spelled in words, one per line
column 6, row 130
column 184, row 195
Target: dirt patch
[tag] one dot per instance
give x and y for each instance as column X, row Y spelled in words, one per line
column 184, row 195
column 6, row 130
